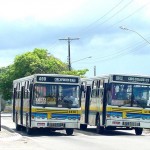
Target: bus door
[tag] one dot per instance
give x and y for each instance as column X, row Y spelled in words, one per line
column 87, row 103
column 21, row 105
column 28, row 115
column 14, row 103
column 105, row 100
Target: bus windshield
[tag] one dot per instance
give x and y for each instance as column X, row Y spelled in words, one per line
column 130, row 95
column 48, row 95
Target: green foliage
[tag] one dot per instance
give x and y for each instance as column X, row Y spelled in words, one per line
column 38, row 61
column 6, row 78
column 80, row 73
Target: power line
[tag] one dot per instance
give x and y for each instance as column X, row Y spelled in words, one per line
column 69, row 57
column 85, row 29
column 137, row 10
column 120, row 53
column 117, row 12
column 113, row 16
column 107, row 13
column 134, row 12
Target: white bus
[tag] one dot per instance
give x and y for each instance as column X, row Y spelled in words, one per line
column 116, row 102
column 41, row 101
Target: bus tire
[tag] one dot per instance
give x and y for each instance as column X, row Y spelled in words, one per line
column 69, row 131
column 83, row 126
column 138, row 131
column 18, row 127
column 99, row 129
column 28, row 130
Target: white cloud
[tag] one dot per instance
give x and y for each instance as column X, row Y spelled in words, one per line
column 39, row 10
column 27, row 24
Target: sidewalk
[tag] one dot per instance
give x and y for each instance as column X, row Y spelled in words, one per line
column 7, row 133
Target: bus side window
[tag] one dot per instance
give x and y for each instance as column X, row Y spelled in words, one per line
column 94, row 89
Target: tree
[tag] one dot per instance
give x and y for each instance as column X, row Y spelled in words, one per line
column 6, row 78
column 38, row 61
column 80, row 73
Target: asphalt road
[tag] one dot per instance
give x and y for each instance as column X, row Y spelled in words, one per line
column 89, row 140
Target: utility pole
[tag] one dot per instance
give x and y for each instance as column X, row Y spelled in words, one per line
column 69, row 57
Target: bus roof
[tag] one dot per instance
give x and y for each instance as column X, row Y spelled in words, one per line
column 121, row 78
column 132, row 79
column 31, row 77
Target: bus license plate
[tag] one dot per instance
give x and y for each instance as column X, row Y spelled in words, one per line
column 131, row 124
column 55, row 125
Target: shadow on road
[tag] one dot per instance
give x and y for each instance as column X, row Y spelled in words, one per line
column 42, row 132
column 88, row 132
column 92, row 132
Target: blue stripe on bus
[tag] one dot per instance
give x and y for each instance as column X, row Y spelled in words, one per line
column 118, row 114
column 129, row 115
column 70, row 116
column 143, row 116
column 41, row 115
column 62, row 116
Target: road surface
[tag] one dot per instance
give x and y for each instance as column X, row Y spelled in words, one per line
column 10, row 139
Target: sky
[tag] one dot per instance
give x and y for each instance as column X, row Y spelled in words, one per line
column 29, row 24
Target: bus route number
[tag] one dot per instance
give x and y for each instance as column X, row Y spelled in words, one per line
column 72, row 111
column 42, row 79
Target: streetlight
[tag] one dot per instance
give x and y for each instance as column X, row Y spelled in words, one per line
column 81, row 59
column 124, row 28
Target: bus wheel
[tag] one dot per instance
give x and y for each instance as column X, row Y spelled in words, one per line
column 138, row 131
column 99, row 128
column 83, row 126
column 18, row 127
column 69, row 131
column 28, row 130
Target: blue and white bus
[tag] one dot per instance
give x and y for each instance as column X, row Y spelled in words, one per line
column 116, row 101
column 39, row 101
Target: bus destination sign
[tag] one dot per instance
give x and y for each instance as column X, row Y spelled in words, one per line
column 133, row 79
column 57, row 79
